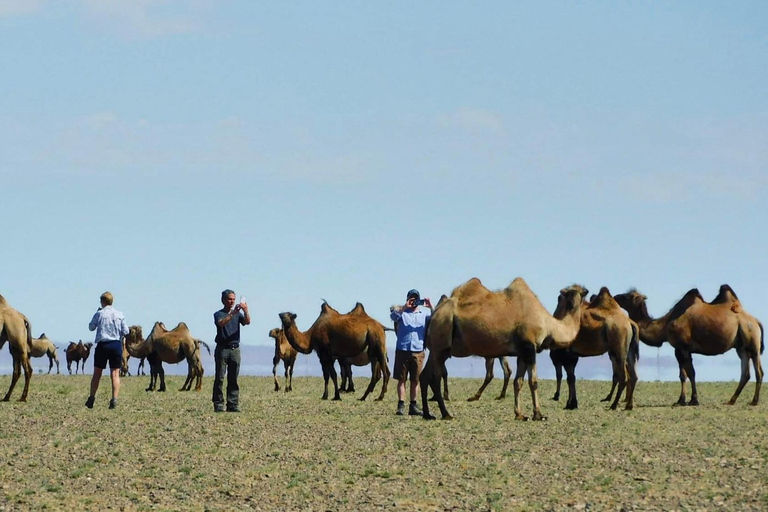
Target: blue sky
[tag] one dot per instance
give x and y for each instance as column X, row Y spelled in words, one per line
column 304, row 151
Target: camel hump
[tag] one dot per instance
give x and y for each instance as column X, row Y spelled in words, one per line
column 604, row 300
column 471, row 286
column 690, row 297
column 2, row 300
column 725, row 295
column 326, row 309
column 181, row 327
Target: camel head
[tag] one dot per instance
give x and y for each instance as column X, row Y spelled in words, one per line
column 573, row 296
column 134, row 335
column 274, row 333
column 631, row 300
column 287, row 319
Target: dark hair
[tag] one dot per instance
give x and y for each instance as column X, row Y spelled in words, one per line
column 226, row 293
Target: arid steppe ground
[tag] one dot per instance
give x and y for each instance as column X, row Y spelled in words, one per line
column 293, row 451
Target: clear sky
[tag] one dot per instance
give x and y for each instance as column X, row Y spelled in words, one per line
column 347, row 151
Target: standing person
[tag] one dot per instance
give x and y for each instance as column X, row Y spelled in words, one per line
column 227, row 355
column 110, row 328
column 411, row 325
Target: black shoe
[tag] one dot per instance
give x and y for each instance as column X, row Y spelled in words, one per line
column 218, row 409
column 400, row 408
column 234, row 409
column 89, row 402
column 113, row 403
column 414, row 410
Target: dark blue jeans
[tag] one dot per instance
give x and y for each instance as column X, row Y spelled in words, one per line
column 227, row 363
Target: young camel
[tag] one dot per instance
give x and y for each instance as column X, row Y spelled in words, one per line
column 77, row 353
column 604, row 328
column 334, row 335
column 42, row 346
column 15, row 329
column 164, row 346
column 287, row 354
column 509, row 322
column 694, row 326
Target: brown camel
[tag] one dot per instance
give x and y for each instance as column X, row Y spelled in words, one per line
column 334, row 335
column 604, row 328
column 509, row 322
column 77, row 352
column 164, row 346
column 287, row 354
column 15, row 329
column 42, row 346
column 694, row 326
column 345, row 367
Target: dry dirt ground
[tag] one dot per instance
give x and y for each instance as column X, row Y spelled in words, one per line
column 293, row 451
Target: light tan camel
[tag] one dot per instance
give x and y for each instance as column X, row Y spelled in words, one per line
column 604, row 329
column 77, row 353
column 507, row 372
column 694, row 326
column 508, row 322
column 42, row 346
column 164, row 346
column 15, row 329
column 287, row 354
column 334, row 335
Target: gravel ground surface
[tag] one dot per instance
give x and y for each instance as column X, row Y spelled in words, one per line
column 293, row 451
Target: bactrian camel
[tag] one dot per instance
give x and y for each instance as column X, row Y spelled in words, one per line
column 694, row 326
column 345, row 367
column 287, row 354
column 604, row 328
column 77, row 353
column 42, row 346
column 488, row 373
column 334, row 335
column 15, row 329
column 509, row 322
column 164, row 346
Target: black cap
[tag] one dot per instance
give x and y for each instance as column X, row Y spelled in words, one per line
column 413, row 292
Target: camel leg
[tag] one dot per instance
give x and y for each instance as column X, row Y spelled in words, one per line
column 758, row 376
column 488, row 379
column 27, row 365
column 431, row 375
column 507, row 374
column 69, row 366
column 50, row 364
column 385, row 378
column 336, row 395
column 614, row 383
column 374, row 379
column 558, row 381
column 631, row 385
column 289, row 376
column 16, row 373
column 744, row 357
column 326, row 377
column 691, row 373
column 275, row 362
column 517, row 386
column 570, row 372
column 57, row 365
column 620, row 374
column 446, row 395
column 161, row 376
column 533, row 384
column 680, row 356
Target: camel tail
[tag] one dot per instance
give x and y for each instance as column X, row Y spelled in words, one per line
column 29, row 332
column 388, row 328
column 762, row 337
column 201, row 342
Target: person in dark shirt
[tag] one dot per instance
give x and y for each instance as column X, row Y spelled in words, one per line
column 227, row 355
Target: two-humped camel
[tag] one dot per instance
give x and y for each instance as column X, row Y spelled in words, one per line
column 164, row 346
column 287, row 354
column 507, row 372
column 15, row 329
column 604, row 328
column 694, row 326
column 475, row 321
column 42, row 346
column 334, row 335
column 77, row 353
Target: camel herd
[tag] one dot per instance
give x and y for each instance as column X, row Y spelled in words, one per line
column 472, row 321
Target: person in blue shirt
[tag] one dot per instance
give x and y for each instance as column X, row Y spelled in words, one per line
column 110, row 328
column 411, row 323
column 227, row 354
